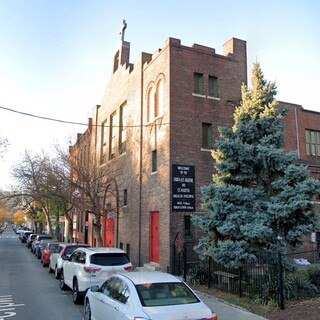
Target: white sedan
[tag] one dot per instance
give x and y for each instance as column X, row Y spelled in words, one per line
column 144, row 296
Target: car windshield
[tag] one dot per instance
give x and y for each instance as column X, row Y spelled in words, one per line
column 165, row 294
column 109, row 259
column 69, row 250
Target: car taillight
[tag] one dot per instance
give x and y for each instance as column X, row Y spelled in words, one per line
column 91, row 269
column 128, row 268
column 213, row 318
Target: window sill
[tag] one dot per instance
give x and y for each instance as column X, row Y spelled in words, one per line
column 214, row 98
column 206, row 150
column 198, row 95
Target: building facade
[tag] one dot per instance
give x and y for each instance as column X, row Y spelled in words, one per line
column 154, row 133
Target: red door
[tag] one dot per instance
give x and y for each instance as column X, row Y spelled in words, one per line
column 109, row 235
column 154, row 236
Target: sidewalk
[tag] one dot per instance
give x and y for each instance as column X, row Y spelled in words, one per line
column 226, row 311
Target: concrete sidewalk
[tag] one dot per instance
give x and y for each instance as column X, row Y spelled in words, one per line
column 227, row 311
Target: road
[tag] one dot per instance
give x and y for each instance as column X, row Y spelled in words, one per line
column 27, row 290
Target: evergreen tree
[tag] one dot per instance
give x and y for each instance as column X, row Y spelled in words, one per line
column 259, row 199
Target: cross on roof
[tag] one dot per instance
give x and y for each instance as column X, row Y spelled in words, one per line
column 122, row 29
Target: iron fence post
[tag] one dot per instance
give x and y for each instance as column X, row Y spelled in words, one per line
column 281, row 295
column 184, row 261
column 240, row 282
column 209, row 273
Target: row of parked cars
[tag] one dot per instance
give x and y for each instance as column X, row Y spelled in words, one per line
column 99, row 278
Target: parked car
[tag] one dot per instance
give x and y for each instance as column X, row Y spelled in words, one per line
column 51, row 247
column 56, row 259
column 30, row 240
column 23, row 235
column 18, row 230
column 144, row 295
column 91, row 266
column 37, row 240
column 42, row 245
column 26, row 235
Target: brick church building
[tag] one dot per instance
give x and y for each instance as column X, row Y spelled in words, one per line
column 154, row 132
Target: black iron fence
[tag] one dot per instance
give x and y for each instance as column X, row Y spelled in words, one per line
column 263, row 279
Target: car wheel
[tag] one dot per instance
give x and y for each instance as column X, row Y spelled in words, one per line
column 76, row 296
column 87, row 311
column 56, row 273
column 62, row 285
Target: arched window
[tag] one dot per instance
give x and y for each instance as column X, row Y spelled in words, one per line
column 158, row 111
column 151, row 104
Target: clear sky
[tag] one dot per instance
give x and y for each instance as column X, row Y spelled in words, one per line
column 56, row 55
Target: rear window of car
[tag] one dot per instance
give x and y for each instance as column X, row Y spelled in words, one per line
column 54, row 247
column 109, row 259
column 165, row 294
column 44, row 237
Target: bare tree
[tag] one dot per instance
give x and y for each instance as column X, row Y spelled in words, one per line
column 90, row 185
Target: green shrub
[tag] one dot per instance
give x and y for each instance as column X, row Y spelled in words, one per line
column 198, row 274
column 297, row 287
column 314, row 276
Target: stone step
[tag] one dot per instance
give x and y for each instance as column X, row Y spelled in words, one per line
column 151, row 266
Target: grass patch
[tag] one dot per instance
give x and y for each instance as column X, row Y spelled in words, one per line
column 244, row 302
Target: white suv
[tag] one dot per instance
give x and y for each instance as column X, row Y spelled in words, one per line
column 87, row 267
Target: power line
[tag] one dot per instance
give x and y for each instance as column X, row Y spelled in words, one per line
column 67, row 122
column 44, row 118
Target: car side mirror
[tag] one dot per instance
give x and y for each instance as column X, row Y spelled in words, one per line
column 95, row 289
column 65, row 258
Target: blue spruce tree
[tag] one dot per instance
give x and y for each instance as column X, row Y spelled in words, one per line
column 259, row 199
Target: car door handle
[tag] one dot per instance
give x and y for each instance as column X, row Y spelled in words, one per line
column 117, row 308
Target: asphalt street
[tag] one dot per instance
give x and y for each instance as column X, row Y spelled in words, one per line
column 28, row 291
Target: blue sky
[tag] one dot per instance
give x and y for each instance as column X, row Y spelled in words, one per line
column 56, row 55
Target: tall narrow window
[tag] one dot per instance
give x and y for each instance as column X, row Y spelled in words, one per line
column 154, row 161
column 198, row 83
column 103, row 146
column 151, row 104
column 313, row 143
column 112, row 137
column 158, row 111
column 213, row 86
column 123, row 129
column 188, row 227
column 125, row 197
column 206, row 135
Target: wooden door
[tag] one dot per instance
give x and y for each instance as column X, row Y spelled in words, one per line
column 154, row 236
column 109, row 234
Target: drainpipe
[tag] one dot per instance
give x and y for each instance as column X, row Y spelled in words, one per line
column 140, row 161
column 297, row 130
